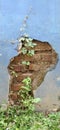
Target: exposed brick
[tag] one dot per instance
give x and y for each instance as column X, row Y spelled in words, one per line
column 34, row 67
column 16, row 87
column 42, row 61
column 13, row 96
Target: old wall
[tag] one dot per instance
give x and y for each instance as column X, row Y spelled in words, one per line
column 44, row 59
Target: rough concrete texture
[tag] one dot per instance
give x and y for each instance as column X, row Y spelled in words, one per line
column 44, row 59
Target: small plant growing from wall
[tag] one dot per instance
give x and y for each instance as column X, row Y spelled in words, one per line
column 27, row 101
column 26, row 43
column 26, row 63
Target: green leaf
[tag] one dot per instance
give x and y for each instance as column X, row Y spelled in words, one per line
column 30, row 44
column 17, row 128
column 26, row 88
column 30, row 39
column 27, row 40
column 31, row 52
column 27, row 81
column 25, row 62
column 24, row 50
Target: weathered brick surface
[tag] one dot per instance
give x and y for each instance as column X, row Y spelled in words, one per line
column 43, row 60
column 34, row 67
column 16, row 86
column 13, row 97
